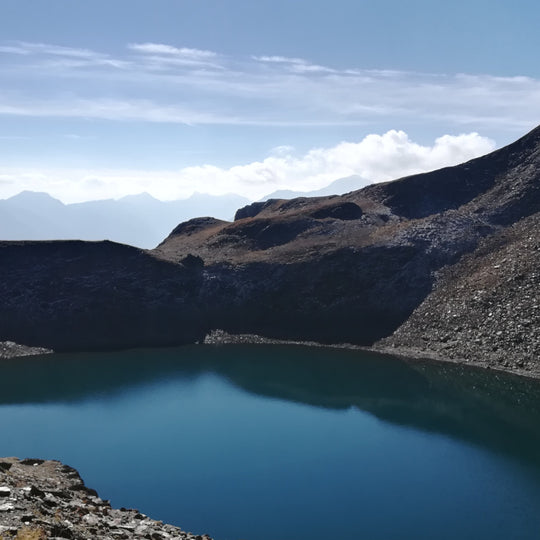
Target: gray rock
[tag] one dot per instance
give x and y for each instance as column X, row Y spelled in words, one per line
column 55, row 503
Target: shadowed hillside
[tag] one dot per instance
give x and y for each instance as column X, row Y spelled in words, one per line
column 349, row 268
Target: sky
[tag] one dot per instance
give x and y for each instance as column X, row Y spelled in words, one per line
column 108, row 98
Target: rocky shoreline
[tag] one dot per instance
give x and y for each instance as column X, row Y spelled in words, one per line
column 47, row 499
column 385, row 347
column 390, row 346
column 10, row 349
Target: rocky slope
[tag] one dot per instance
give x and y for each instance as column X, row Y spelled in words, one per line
column 46, row 499
column 484, row 310
column 350, row 268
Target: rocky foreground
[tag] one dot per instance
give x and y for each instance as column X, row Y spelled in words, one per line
column 46, row 499
column 442, row 264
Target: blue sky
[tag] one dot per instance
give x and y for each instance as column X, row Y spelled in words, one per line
column 105, row 98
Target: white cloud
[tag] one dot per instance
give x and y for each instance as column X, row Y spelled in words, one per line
column 294, row 65
column 310, row 68
column 279, row 59
column 163, row 57
column 160, row 48
column 376, row 157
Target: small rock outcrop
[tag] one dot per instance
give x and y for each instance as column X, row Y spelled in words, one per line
column 340, row 210
column 196, row 225
column 46, row 499
column 9, row 349
column 251, row 210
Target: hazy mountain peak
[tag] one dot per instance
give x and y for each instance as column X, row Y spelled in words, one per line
column 139, row 197
column 140, row 220
column 337, row 187
column 33, row 197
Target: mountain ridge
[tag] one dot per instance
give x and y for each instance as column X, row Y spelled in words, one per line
column 140, row 219
column 356, row 268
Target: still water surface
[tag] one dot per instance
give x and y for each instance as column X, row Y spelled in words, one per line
column 279, row 443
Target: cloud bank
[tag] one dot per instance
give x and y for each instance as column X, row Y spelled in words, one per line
column 376, row 157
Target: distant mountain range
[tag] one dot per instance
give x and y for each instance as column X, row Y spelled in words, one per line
column 337, row 187
column 137, row 220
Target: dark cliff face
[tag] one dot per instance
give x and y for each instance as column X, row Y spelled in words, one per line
column 348, row 268
column 86, row 295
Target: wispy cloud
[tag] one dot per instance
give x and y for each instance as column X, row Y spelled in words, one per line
column 279, row 59
column 14, row 49
column 163, row 57
column 67, row 57
column 27, row 48
column 117, row 110
column 160, row 48
column 157, row 82
column 376, row 157
column 296, row 65
column 57, row 50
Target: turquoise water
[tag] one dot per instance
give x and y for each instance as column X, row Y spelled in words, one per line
column 279, row 443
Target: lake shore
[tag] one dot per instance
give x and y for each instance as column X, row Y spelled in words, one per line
column 412, row 354
column 10, row 349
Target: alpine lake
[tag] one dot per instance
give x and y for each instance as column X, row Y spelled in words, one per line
column 252, row 442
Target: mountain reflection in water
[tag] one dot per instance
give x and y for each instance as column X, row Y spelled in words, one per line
column 497, row 411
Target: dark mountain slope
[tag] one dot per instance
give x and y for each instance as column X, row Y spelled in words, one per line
column 503, row 184
column 358, row 264
column 482, row 194
column 85, row 295
column 348, row 268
